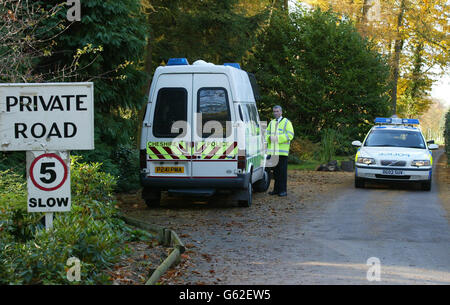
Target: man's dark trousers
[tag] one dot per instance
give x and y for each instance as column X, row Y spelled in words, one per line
column 280, row 175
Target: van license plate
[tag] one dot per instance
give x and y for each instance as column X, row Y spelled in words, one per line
column 392, row 172
column 169, row 169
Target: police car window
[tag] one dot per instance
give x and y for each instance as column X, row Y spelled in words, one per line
column 395, row 138
column 171, row 106
column 212, row 103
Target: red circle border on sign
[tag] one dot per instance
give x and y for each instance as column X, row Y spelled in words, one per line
column 50, row 156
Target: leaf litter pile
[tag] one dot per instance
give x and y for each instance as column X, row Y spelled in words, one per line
column 136, row 267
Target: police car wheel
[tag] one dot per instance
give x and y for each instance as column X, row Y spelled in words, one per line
column 263, row 184
column 426, row 186
column 248, row 200
column 359, row 183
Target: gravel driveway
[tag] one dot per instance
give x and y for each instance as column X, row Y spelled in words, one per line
column 322, row 233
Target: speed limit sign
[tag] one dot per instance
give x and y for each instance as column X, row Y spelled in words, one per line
column 48, row 182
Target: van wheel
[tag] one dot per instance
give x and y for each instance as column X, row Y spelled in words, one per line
column 152, row 198
column 263, row 184
column 247, row 202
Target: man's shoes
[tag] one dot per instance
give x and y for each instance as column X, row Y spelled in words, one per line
column 273, row 193
column 282, row 194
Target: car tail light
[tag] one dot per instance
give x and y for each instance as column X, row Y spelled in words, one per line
column 143, row 158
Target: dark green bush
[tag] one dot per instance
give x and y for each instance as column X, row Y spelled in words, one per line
column 127, row 159
column 293, row 159
column 92, row 231
column 121, row 161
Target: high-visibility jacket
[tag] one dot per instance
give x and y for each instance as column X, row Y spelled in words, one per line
column 284, row 132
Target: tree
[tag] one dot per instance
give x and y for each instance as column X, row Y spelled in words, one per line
column 215, row 31
column 398, row 27
column 110, row 38
column 323, row 73
column 111, row 35
column 19, row 44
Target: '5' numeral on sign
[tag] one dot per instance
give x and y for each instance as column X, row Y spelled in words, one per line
column 46, row 169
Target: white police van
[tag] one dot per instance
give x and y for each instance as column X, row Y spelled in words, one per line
column 394, row 150
column 201, row 133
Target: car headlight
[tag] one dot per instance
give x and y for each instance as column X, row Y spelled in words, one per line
column 366, row 161
column 420, row 163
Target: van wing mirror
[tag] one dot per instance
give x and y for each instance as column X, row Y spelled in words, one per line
column 433, row 146
column 356, row 143
column 430, row 142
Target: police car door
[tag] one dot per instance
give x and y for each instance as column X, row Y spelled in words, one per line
column 169, row 138
column 215, row 148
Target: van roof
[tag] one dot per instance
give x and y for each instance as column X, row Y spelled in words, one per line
column 241, row 89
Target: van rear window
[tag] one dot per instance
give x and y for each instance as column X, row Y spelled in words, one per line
column 212, row 103
column 171, row 106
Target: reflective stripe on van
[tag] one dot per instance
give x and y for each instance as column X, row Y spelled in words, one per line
column 188, row 150
column 169, row 150
column 216, row 150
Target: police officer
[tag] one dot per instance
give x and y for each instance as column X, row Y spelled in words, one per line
column 279, row 136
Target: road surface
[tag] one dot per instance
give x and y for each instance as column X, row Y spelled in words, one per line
column 324, row 232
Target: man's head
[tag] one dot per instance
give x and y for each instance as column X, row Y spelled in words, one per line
column 277, row 111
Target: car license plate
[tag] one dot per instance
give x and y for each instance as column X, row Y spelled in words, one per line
column 169, row 169
column 392, row 172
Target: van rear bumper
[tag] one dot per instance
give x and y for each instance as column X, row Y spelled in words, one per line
column 239, row 182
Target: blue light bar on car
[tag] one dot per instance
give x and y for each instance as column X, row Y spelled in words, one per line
column 233, row 64
column 411, row 121
column 383, row 120
column 396, row 121
column 177, row 62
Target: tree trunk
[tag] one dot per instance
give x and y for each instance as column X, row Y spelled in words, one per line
column 398, row 46
column 365, row 10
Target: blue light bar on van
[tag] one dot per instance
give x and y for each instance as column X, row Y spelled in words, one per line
column 177, row 62
column 396, row 121
column 233, row 64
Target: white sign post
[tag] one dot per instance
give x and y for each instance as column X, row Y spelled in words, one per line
column 48, row 183
column 47, row 120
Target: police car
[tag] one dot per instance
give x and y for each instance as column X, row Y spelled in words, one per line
column 394, row 150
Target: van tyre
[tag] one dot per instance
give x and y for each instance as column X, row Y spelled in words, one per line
column 263, row 184
column 359, row 183
column 247, row 202
column 426, row 186
column 152, row 198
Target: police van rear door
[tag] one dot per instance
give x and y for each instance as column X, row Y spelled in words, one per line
column 169, row 137
column 215, row 148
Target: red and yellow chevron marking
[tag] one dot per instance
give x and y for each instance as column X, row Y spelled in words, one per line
column 168, row 150
column 189, row 150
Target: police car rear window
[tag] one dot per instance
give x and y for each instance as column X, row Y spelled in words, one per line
column 171, row 106
column 395, row 138
column 212, row 103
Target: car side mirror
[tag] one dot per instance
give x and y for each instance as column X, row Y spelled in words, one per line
column 430, row 142
column 356, row 143
column 433, row 146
